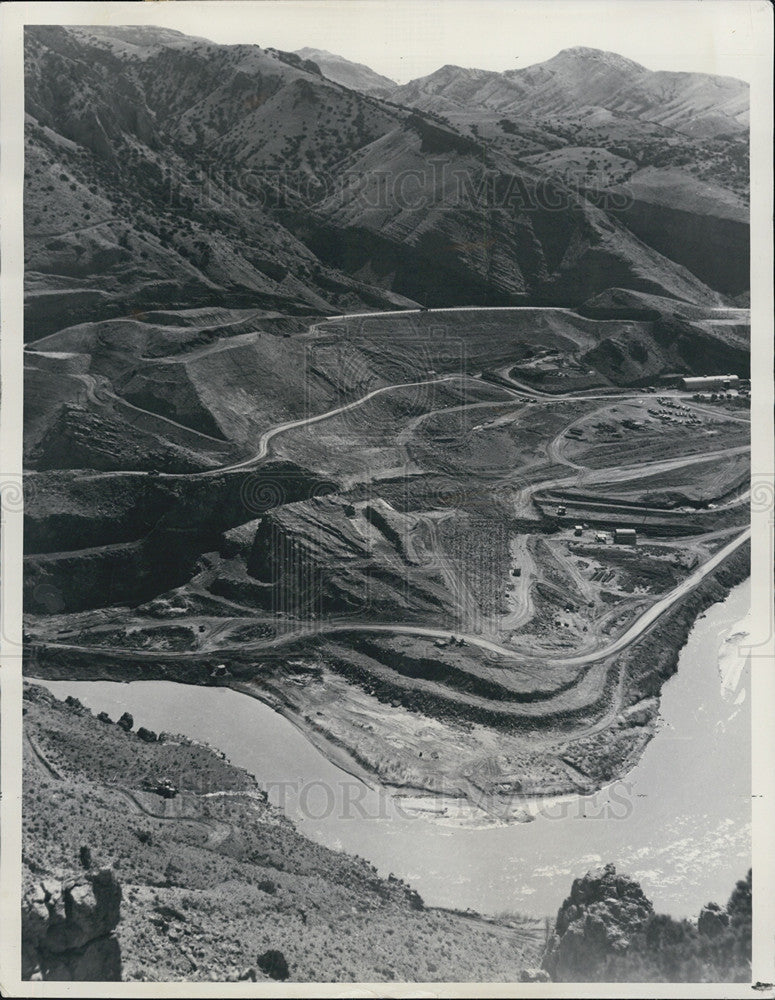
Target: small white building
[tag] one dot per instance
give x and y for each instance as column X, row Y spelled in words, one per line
column 704, row 382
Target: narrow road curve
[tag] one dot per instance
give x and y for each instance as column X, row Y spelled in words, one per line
column 632, row 633
column 217, row 831
column 266, row 437
column 40, row 758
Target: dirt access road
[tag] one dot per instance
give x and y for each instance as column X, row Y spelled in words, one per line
column 638, row 627
column 633, row 632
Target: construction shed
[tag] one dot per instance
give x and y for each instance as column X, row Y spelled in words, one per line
column 716, row 382
column 625, row 536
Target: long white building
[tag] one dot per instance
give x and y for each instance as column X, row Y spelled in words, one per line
column 703, row 382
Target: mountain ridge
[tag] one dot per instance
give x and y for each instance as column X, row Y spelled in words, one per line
column 169, row 172
column 355, row 75
column 588, row 76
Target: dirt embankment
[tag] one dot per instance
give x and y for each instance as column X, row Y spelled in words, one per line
column 654, row 659
column 118, row 539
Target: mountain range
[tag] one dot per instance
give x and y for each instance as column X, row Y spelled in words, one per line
column 165, row 171
column 589, row 81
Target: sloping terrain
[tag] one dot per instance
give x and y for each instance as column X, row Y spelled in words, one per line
column 582, row 78
column 666, row 152
column 350, row 74
column 215, row 877
column 120, row 213
column 165, row 172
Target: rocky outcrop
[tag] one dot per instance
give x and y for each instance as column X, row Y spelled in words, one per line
column 595, row 924
column 607, row 931
column 712, row 920
column 67, row 928
column 534, row 976
column 126, row 722
column 273, row 964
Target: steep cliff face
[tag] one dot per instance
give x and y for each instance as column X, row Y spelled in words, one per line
column 698, row 223
column 67, row 927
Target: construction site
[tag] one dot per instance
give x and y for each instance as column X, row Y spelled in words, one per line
column 424, row 555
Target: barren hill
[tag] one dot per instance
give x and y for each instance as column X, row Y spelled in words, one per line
column 576, row 78
column 350, row 74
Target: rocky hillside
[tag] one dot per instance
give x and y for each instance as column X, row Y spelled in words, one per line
column 667, row 153
column 138, row 178
column 607, row 931
column 215, row 883
column 167, row 172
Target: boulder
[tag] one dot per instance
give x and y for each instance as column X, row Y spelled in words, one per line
column 534, row 976
column 273, row 964
column 126, row 722
column 147, row 735
column 594, row 924
column 67, row 928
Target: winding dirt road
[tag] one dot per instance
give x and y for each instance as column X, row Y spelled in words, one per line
column 396, row 628
column 589, row 476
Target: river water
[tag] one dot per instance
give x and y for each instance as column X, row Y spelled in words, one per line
column 679, row 822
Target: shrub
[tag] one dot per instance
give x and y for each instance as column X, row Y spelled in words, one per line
column 273, row 964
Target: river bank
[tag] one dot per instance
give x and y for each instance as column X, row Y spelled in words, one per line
column 216, row 877
column 375, row 738
column 679, row 821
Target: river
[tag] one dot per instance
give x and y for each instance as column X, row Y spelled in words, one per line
column 679, row 822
